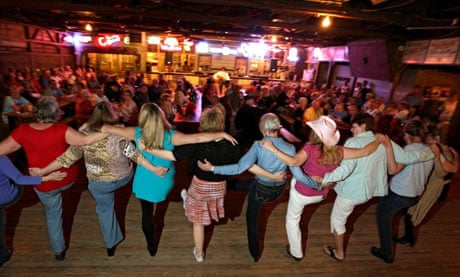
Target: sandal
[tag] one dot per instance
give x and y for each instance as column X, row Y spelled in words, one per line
column 330, row 251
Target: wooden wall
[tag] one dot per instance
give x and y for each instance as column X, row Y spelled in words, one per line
column 32, row 46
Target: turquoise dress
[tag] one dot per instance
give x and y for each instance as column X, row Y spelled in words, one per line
column 147, row 185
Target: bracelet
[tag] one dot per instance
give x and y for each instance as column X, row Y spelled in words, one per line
column 275, row 152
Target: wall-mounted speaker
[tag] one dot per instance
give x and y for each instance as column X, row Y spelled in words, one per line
column 273, row 65
column 168, row 58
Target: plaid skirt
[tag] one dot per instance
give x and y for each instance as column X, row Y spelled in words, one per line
column 205, row 201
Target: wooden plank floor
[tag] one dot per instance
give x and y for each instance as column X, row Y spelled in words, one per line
column 436, row 252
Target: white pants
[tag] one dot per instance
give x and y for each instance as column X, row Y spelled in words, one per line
column 340, row 212
column 296, row 204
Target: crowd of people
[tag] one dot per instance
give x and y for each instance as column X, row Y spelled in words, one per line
column 351, row 137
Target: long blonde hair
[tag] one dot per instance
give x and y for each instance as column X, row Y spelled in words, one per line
column 330, row 155
column 153, row 125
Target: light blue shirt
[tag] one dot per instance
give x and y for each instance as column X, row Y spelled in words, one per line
column 264, row 158
column 361, row 179
column 410, row 182
column 8, row 105
column 411, row 155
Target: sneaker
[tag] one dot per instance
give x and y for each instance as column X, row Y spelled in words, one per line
column 183, row 195
column 199, row 259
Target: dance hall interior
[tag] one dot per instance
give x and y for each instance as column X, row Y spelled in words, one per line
column 229, row 138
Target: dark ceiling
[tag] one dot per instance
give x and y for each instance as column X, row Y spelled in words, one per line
column 294, row 20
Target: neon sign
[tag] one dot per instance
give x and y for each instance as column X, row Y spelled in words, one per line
column 76, row 39
column 170, row 44
column 107, row 40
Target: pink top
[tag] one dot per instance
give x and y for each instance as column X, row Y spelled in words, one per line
column 313, row 168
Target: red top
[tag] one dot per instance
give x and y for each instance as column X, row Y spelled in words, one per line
column 313, row 168
column 43, row 147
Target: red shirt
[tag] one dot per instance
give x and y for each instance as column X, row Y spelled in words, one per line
column 43, row 147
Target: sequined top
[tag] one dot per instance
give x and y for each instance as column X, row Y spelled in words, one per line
column 106, row 160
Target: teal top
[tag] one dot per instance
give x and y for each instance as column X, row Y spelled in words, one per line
column 146, row 184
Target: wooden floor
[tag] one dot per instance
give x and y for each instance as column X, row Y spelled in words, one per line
column 436, row 252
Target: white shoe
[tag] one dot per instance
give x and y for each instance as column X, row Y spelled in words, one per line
column 183, row 195
column 199, row 259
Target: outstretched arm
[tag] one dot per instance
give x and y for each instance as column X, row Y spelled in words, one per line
column 129, row 150
column 304, row 178
column 73, row 137
column 8, row 145
column 66, row 159
column 393, row 166
column 181, row 138
column 127, row 132
column 164, row 154
column 278, row 176
column 353, row 153
column 296, row 160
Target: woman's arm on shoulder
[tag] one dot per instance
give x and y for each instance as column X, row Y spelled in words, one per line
column 297, row 160
column 73, row 137
column 353, row 153
column 8, row 145
column 181, row 138
column 126, row 132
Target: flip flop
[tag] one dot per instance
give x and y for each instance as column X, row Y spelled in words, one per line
column 330, row 252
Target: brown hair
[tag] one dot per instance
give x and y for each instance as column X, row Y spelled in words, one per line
column 102, row 114
column 330, row 155
column 153, row 125
column 212, row 120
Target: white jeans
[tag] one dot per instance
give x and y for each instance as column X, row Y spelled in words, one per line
column 296, row 204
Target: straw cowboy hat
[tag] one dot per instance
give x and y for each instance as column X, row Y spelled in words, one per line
column 326, row 129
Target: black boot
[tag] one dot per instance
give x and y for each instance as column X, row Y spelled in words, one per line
column 149, row 237
column 408, row 237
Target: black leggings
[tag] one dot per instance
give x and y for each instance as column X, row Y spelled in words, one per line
column 148, row 226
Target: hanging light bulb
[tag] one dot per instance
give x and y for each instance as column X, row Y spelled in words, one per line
column 326, row 22
column 88, row 27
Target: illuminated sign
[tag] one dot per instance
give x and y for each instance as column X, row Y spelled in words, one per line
column 253, row 50
column 293, row 57
column 76, row 39
column 107, row 40
column 153, row 40
column 171, row 44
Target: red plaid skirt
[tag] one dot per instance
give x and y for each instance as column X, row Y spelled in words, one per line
column 205, row 201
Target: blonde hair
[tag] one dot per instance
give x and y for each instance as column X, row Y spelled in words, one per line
column 330, row 155
column 153, row 125
column 212, row 120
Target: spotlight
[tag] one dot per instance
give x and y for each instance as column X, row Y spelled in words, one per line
column 88, row 27
column 326, row 22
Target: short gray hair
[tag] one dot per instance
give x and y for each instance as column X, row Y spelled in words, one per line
column 47, row 110
column 268, row 123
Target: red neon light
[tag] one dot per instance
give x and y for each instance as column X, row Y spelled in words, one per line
column 107, row 40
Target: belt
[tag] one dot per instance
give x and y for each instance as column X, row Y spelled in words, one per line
column 269, row 184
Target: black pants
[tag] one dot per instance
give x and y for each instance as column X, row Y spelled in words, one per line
column 148, row 226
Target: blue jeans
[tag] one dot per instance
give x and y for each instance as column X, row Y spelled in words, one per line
column 388, row 206
column 52, row 200
column 258, row 195
column 104, row 194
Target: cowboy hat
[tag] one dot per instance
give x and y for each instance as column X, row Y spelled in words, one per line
column 326, row 129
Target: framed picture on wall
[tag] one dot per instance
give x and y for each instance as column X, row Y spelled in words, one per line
column 241, row 66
